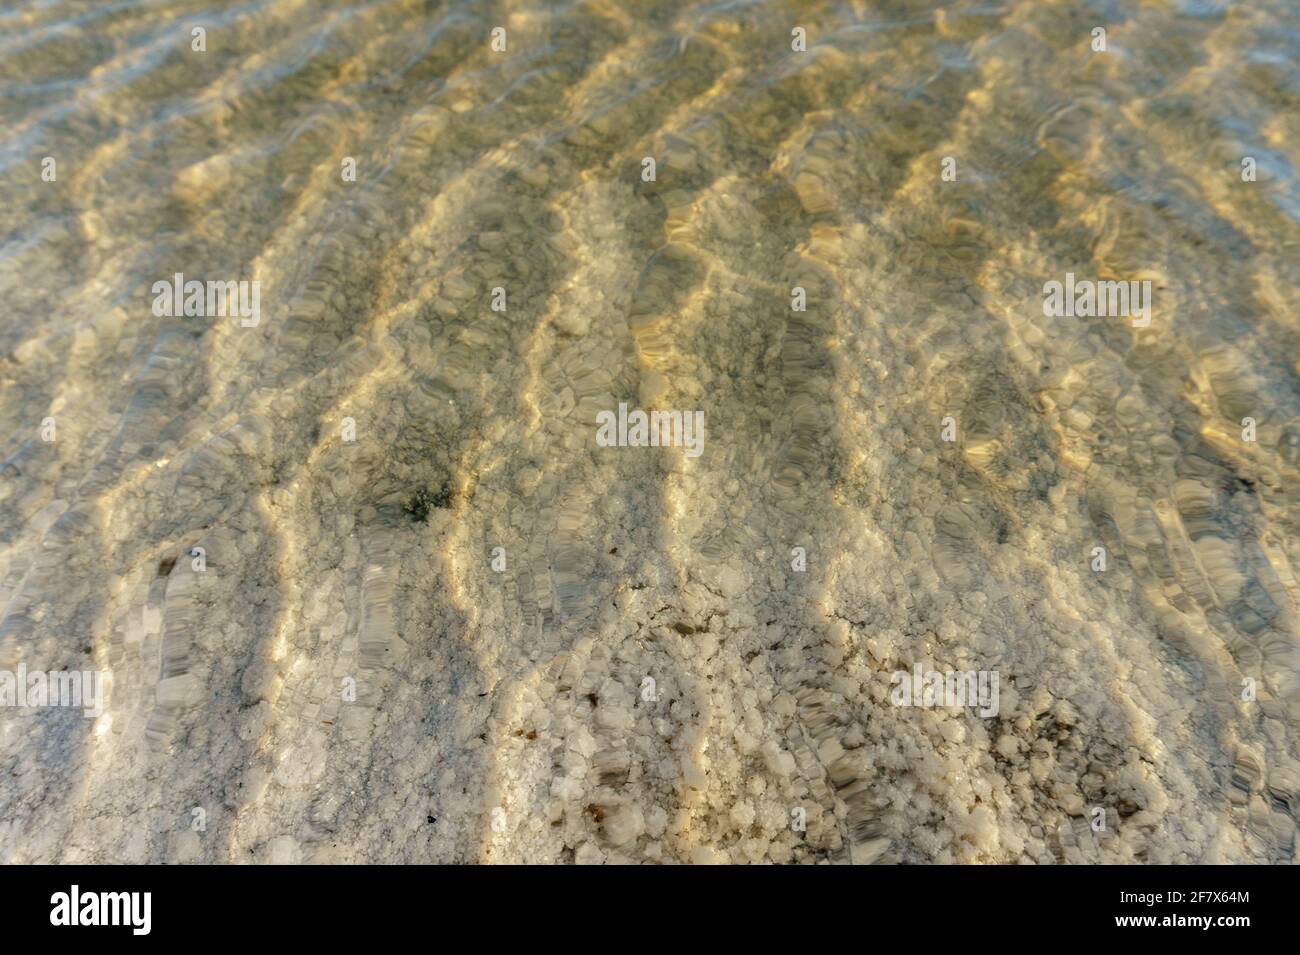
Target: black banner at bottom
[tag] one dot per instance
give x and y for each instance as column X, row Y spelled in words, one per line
column 336, row 904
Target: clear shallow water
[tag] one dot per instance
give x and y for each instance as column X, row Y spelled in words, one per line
column 509, row 706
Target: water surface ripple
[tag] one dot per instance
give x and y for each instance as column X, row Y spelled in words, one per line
column 505, row 715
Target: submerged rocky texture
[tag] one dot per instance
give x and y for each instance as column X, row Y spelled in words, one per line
column 505, row 715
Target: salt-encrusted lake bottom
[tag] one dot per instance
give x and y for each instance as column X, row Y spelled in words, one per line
column 363, row 583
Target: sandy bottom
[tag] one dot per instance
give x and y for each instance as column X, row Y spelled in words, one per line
column 434, row 620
